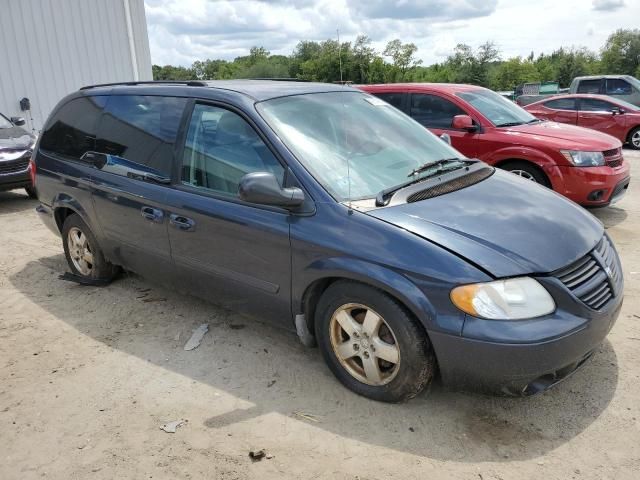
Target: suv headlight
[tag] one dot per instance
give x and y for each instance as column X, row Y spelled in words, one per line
column 511, row 299
column 584, row 159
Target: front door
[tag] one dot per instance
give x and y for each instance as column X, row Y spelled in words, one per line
column 227, row 251
column 599, row 115
column 436, row 113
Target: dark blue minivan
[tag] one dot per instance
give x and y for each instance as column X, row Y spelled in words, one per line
column 325, row 210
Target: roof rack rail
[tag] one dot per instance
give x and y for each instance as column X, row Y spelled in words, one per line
column 190, row 83
column 279, row 79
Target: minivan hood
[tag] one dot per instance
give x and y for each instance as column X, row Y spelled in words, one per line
column 567, row 136
column 506, row 225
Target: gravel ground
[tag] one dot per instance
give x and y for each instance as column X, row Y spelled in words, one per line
column 89, row 375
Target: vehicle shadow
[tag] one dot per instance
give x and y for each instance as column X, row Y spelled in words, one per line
column 243, row 358
column 610, row 216
column 13, row 202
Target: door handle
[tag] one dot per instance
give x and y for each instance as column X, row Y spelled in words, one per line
column 154, row 214
column 182, row 223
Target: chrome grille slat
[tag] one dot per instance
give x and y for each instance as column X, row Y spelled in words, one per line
column 595, row 278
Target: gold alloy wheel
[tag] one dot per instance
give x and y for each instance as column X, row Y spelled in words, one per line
column 364, row 344
column 80, row 251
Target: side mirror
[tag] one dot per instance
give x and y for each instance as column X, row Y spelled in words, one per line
column 263, row 188
column 617, row 111
column 446, row 138
column 17, row 121
column 463, row 122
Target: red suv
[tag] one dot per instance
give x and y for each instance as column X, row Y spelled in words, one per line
column 584, row 165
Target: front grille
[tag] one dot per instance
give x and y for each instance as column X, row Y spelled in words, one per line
column 596, row 278
column 613, row 157
column 14, row 166
column 451, row 185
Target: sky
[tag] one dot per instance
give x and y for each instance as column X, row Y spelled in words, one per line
column 182, row 31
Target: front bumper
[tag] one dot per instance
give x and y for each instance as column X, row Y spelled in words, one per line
column 522, row 357
column 14, row 173
column 593, row 186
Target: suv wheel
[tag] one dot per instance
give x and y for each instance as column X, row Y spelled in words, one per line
column 526, row 171
column 372, row 344
column 634, row 138
column 83, row 253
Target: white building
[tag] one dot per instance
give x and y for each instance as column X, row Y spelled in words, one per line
column 49, row 48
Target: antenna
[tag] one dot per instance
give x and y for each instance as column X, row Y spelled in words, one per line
column 339, row 53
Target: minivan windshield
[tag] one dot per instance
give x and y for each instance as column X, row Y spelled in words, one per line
column 500, row 111
column 354, row 144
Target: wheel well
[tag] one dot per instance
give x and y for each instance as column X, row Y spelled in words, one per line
column 314, row 291
column 61, row 215
column 503, row 163
column 631, row 130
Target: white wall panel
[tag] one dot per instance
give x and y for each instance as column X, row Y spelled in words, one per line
column 50, row 48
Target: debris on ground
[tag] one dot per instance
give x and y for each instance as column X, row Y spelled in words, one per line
column 307, row 416
column 196, row 337
column 155, row 299
column 171, row 427
column 271, row 383
column 237, row 326
column 87, row 282
column 257, row 455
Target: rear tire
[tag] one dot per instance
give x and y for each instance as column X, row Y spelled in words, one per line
column 31, row 191
column 386, row 356
column 84, row 256
column 634, row 138
column 527, row 171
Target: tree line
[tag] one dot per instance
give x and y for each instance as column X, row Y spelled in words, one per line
column 359, row 62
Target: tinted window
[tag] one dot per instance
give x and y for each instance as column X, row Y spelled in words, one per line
column 589, row 86
column 433, row 111
column 594, row 105
column 221, row 148
column 617, row 86
column 141, row 129
column 562, row 104
column 72, row 130
column 392, row 98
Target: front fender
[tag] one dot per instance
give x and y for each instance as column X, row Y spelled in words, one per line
column 519, row 152
column 64, row 200
column 387, row 280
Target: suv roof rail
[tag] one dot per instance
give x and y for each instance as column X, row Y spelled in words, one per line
column 190, row 83
column 279, row 79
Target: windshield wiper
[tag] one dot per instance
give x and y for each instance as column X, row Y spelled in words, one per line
column 509, row 124
column 429, row 165
column 384, row 195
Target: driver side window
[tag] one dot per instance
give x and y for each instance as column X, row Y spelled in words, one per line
column 221, row 147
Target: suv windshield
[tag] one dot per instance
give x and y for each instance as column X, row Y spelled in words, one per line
column 354, row 144
column 4, row 123
column 500, row 111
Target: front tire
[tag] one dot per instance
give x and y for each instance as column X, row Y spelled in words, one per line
column 84, row 256
column 634, row 138
column 527, row 171
column 372, row 344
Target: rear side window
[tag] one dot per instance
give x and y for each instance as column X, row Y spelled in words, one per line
column 617, row 86
column 221, row 148
column 392, row 98
column 594, row 105
column 589, row 86
column 433, row 111
column 72, row 130
column 562, row 104
column 141, row 129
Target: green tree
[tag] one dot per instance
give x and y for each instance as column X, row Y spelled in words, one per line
column 621, row 53
column 402, row 56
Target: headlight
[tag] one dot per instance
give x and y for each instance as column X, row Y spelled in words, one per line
column 584, row 159
column 512, row 299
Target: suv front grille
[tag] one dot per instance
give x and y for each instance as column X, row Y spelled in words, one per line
column 613, row 157
column 14, row 166
column 596, row 278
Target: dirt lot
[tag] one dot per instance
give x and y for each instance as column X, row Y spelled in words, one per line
column 88, row 375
